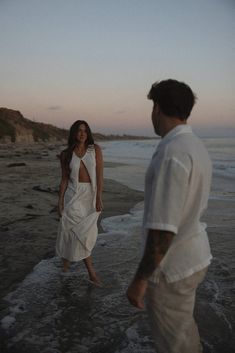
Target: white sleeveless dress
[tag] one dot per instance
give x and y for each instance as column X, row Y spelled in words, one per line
column 78, row 230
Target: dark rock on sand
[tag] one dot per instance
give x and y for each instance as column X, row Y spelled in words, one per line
column 21, row 164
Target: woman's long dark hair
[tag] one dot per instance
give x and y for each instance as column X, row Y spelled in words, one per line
column 66, row 155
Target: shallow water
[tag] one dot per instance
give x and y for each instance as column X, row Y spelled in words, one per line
column 216, row 296
column 50, row 313
column 53, row 314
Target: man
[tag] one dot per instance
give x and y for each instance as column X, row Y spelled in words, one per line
column 177, row 252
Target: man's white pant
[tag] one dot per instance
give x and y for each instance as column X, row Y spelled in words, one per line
column 170, row 309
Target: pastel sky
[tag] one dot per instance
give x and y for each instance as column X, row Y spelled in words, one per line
column 63, row 60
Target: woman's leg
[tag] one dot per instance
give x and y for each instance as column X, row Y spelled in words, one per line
column 91, row 271
column 66, row 264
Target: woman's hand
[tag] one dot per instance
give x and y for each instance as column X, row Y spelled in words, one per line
column 60, row 208
column 99, row 204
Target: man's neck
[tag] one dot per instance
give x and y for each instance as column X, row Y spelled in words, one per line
column 170, row 124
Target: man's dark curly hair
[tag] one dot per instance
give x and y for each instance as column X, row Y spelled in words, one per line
column 174, row 98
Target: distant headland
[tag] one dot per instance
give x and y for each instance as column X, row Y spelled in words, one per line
column 15, row 128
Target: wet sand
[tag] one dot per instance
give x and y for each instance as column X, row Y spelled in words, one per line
column 29, row 180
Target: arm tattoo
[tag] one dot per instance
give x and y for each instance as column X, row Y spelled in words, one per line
column 157, row 244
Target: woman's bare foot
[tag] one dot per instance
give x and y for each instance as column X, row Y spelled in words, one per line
column 66, row 265
column 96, row 281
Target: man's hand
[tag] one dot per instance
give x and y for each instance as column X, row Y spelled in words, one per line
column 136, row 292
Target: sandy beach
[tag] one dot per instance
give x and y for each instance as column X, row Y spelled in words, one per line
column 69, row 314
column 29, row 188
column 28, row 227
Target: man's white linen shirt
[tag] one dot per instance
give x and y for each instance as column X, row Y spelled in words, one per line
column 177, row 186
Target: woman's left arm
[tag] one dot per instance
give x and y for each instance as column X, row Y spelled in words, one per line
column 99, row 177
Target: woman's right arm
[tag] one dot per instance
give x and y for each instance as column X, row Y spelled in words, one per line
column 63, row 184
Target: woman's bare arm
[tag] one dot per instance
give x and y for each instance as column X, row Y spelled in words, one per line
column 99, row 177
column 63, row 184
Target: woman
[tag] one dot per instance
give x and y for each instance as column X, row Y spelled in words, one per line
column 80, row 198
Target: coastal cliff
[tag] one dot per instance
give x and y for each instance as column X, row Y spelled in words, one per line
column 15, row 128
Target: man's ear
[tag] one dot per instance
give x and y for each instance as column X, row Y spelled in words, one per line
column 156, row 107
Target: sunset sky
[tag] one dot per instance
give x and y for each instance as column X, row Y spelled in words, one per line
column 63, row 60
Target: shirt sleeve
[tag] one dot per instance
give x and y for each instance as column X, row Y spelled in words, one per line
column 168, row 194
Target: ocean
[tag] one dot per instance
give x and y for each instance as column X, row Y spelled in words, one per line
column 135, row 157
column 217, row 293
column 45, row 315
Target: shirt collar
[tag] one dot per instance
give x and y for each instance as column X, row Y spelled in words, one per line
column 179, row 129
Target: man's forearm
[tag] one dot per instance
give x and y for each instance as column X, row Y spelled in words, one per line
column 157, row 245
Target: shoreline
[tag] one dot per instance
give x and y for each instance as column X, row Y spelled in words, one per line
column 21, row 249
column 30, row 177
column 31, row 260
column 28, row 233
